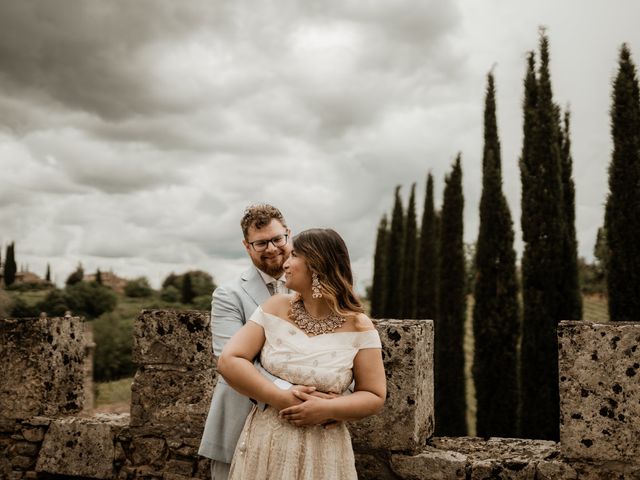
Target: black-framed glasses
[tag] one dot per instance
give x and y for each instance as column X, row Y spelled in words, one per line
column 277, row 241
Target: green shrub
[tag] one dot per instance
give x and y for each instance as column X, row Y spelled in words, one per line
column 202, row 302
column 113, row 336
column 138, row 288
column 22, row 309
column 56, row 303
column 170, row 294
column 201, row 282
column 90, row 299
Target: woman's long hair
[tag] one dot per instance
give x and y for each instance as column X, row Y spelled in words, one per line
column 326, row 255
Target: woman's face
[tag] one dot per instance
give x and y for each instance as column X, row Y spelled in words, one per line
column 297, row 272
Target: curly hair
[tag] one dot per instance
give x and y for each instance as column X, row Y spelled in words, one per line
column 326, row 254
column 259, row 216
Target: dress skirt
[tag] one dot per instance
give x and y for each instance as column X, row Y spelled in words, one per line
column 271, row 448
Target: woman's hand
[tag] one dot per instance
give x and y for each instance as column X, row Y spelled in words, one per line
column 288, row 398
column 312, row 411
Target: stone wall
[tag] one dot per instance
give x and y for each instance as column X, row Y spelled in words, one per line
column 43, row 435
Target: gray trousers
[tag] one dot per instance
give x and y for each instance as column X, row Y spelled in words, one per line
column 219, row 470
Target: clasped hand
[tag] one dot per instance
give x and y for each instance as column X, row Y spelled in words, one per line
column 314, row 409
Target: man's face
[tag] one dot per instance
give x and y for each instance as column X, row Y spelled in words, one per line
column 270, row 260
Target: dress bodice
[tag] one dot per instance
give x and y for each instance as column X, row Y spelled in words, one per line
column 323, row 361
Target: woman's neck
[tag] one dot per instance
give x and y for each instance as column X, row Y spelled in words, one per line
column 316, row 307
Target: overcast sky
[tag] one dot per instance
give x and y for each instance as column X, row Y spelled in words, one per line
column 133, row 134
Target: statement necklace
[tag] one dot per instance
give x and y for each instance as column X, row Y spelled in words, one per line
column 310, row 325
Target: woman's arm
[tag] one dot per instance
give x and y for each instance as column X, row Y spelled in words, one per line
column 367, row 399
column 236, row 366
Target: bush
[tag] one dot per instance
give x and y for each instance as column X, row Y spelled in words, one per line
column 90, row 299
column 113, row 336
column 170, row 294
column 201, row 282
column 56, row 303
column 6, row 304
column 202, row 302
column 22, row 309
column 138, row 288
column 76, row 276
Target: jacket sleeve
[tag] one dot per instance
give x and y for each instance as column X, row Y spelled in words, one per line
column 227, row 317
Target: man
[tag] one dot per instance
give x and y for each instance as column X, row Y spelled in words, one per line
column 267, row 241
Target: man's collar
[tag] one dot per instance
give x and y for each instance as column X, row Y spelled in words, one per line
column 268, row 278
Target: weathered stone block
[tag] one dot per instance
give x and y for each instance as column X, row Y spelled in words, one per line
column 41, row 366
column 374, row 466
column 178, row 399
column 148, row 451
column 407, row 419
column 599, row 369
column 171, row 337
column 430, row 463
column 33, row 434
column 555, row 470
column 79, row 447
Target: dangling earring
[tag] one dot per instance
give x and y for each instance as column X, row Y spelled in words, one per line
column 315, row 286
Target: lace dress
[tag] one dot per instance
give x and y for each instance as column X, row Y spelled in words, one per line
column 271, row 448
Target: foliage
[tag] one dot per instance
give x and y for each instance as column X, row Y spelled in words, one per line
column 47, row 275
column 76, row 276
column 201, row 282
column 395, row 256
column 544, row 230
column 170, row 294
column 202, row 302
column 55, row 304
column 450, row 402
column 188, row 294
column 496, row 311
column 6, row 304
column 113, row 335
column 138, row 288
column 410, row 249
column 21, row 309
column 90, row 299
column 10, row 267
column 427, row 274
column 378, row 292
column 622, row 214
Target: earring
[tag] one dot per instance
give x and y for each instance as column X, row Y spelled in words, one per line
column 315, row 286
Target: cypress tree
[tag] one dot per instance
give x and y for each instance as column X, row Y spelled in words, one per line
column 450, row 405
column 572, row 306
column 98, row 277
column 47, row 276
column 395, row 256
column 10, row 267
column 427, row 275
column 543, row 231
column 495, row 313
column 379, row 287
column 410, row 258
column 622, row 213
column 187, row 289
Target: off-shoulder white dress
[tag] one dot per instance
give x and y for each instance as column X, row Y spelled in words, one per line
column 271, row 448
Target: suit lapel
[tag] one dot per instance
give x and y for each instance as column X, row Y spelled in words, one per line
column 254, row 285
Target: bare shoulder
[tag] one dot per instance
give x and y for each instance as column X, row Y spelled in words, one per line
column 277, row 304
column 362, row 323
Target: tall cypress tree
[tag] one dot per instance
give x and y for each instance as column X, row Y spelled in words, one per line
column 543, row 231
column 187, row 289
column 427, row 276
column 47, row 276
column 10, row 267
column 450, row 405
column 410, row 258
column 380, row 286
column 395, row 256
column 496, row 313
column 622, row 214
column 572, row 306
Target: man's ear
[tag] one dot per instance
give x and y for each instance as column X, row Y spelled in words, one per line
column 246, row 244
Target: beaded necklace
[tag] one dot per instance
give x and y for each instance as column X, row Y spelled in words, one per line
column 311, row 325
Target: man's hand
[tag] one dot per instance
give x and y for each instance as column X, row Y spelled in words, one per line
column 312, row 411
column 288, row 398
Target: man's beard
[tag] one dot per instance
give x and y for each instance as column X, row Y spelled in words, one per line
column 273, row 269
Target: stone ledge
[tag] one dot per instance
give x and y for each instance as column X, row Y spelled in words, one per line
column 599, row 369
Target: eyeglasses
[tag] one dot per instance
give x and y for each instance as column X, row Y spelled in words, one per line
column 277, row 241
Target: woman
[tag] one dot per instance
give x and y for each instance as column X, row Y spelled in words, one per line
column 317, row 337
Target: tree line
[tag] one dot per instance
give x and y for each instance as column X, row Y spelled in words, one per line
column 420, row 272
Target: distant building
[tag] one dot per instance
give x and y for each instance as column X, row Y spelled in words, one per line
column 109, row 279
column 23, row 277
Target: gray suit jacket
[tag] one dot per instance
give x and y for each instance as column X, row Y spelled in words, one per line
column 231, row 307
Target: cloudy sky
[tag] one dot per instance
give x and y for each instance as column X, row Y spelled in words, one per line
column 133, row 134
